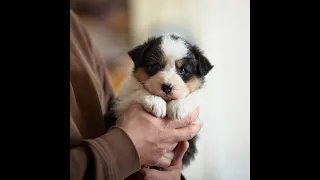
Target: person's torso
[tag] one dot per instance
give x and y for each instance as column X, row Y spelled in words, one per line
column 86, row 91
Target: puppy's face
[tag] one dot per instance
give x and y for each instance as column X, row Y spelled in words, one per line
column 170, row 67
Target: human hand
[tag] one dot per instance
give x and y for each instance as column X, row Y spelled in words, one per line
column 171, row 173
column 154, row 137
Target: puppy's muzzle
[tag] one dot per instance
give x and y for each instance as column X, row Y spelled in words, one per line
column 166, row 88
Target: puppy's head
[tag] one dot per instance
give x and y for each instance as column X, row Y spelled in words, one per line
column 169, row 66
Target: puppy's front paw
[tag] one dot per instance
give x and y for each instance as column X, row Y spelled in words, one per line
column 155, row 105
column 178, row 109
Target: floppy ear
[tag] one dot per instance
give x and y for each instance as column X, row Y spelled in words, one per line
column 136, row 53
column 204, row 65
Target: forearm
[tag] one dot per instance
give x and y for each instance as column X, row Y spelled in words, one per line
column 111, row 156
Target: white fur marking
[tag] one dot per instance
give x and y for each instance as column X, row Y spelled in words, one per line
column 175, row 49
column 133, row 92
column 155, row 105
column 179, row 109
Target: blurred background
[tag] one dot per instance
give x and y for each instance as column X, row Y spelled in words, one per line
column 222, row 29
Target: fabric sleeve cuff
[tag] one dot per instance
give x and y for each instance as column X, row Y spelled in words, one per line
column 119, row 152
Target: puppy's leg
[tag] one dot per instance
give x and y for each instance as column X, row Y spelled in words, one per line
column 179, row 109
column 152, row 104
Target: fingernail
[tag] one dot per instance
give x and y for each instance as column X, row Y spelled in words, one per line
column 169, row 155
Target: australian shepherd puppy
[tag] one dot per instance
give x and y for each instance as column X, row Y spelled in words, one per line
column 166, row 80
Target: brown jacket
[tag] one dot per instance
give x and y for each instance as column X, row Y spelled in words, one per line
column 94, row 153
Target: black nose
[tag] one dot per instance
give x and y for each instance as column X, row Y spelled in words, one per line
column 166, row 88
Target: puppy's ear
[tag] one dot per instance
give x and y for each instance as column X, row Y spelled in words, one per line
column 136, row 53
column 204, row 65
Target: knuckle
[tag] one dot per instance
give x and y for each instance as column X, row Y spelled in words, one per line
column 162, row 135
column 189, row 120
column 169, row 139
column 167, row 124
column 162, row 151
column 165, row 136
column 154, row 161
column 158, row 150
column 190, row 135
column 148, row 176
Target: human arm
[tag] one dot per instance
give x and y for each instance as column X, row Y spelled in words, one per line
column 110, row 156
column 94, row 153
column 138, row 138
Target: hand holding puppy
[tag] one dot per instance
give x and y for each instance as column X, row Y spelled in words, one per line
column 154, row 137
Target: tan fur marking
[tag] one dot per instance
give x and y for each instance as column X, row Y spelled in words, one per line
column 141, row 75
column 179, row 63
column 193, row 84
column 163, row 61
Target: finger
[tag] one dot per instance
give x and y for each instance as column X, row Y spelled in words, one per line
column 137, row 106
column 153, row 174
column 191, row 118
column 179, row 152
column 164, row 162
column 187, row 133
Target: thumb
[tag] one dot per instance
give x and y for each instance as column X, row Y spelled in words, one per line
column 179, row 152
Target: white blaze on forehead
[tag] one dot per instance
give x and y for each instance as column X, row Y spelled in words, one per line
column 170, row 66
column 173, row 49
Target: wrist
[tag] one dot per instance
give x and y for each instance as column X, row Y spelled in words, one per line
column 135, row 142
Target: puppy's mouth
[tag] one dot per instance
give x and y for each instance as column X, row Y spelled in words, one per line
column 166, row 97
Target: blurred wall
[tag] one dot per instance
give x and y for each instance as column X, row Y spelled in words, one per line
column 226, row 135
column 222, row 29
column 107, row 23
column 160, row 16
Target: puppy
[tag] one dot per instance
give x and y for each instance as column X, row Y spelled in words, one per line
column 166, row 80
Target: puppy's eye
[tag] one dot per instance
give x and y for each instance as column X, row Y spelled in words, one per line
column 182, row 71
column 155, row 67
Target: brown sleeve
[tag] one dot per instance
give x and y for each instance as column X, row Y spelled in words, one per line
column 111, row 156
column 104, row 78
column 93, row 58
column 104, row 158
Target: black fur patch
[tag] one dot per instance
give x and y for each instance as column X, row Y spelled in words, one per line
column 188, row 70
column 203, row 64
column 110, row 118
column 148, row 56
column 191, row 152
column 174, row 37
